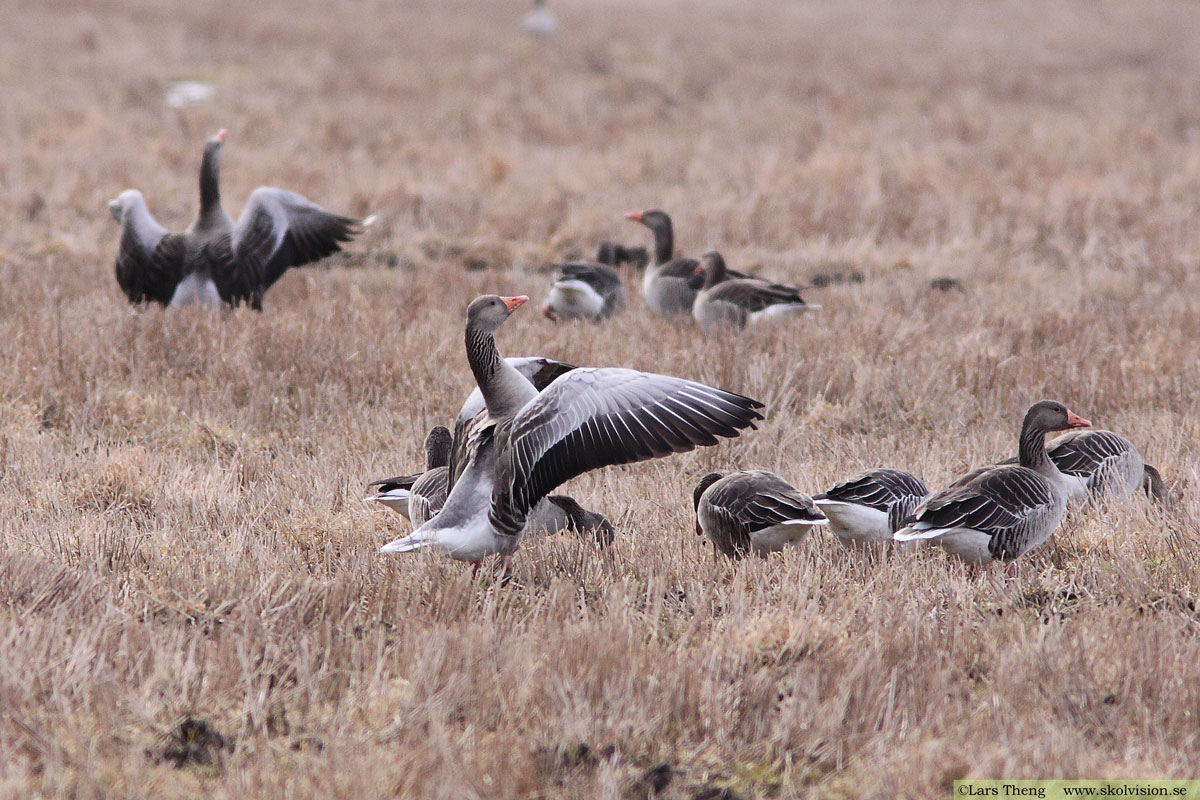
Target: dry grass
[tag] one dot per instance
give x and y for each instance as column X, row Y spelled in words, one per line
column 179, row 515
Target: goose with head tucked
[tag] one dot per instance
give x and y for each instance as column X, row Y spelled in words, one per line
column 1003, row 511
column 418, row 497
column 725, row 303
column 217, row 262
column 753, row 511
column 531, row 441
column 870, row 506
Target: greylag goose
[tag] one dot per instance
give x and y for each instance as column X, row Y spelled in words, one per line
column 216, row 262
column 1099, row 462
column 871, row 506
column 724, row 302
column 533, row 441
column 558, row 513
column 584, row 290
column 753, row 511
column 418, row 497
column 1006, row 510
column 668, row 284
column 540, row 22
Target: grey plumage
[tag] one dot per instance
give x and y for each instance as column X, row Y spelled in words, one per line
column 216, row 261
column 753, row 511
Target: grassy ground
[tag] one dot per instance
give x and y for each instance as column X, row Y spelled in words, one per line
column 181, row 535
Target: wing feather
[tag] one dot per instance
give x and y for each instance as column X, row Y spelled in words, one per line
column 572, row 427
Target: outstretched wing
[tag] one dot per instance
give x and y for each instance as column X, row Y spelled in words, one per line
column 149, row 262
column 592, row 418
column 278, row 230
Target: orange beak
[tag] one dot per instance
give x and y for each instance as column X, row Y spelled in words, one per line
column 1076, row 421
column 513, row 303
column 220, row 137
column 636, row 216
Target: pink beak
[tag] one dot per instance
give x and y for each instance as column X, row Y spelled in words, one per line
column 1076, row 421
column 513, row 303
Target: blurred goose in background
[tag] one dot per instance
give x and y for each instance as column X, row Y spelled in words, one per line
column 418, row 497
column 540, row 22
column 725, row 302
column 584, row 290
column 1101, row 463
column 1003, row 511
column 668, row 283
column 215, row 262
column 531, row 441
column 753, row 511
column 871, row 506
column 617, row 254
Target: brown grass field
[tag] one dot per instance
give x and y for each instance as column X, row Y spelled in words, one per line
column 181, row 533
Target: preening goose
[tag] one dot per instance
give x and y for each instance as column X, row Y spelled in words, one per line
column 871, row 506
column 533, row 441
column 216, row 262
column 418, row 497
column 668, row 283
column 1099, row 462
column 1006, row 510
column 753, row 511
column 584, row 290
column 725, row 302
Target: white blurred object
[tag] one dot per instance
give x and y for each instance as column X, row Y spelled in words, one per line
column 188, row 93
column 540, row 22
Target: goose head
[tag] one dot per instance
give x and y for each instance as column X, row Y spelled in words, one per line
column 126, row 200
column 487, row 313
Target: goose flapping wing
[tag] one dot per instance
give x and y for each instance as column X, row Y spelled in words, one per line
column 149, row 261
column 592, row 418
column 472, row 417
column 279, row 229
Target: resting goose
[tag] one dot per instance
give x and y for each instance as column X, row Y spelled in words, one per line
column 668, row 284
column 418, row 497
column 584, row 290
column 531, row 441
column 216, row 262
column 724, row 302
column 752, row 511
column 1006, row 510
column 871, row 506
column 1099, row 462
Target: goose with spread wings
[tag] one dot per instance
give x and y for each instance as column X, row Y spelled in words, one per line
column 531, row 441
column 217, row 262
